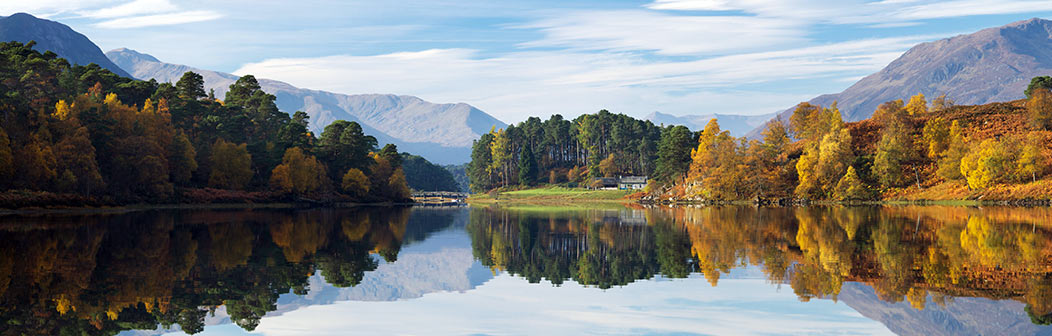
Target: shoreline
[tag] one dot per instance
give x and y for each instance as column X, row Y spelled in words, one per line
column 120, row 209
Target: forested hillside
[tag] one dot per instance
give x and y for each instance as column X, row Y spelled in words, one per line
column 90, row 135
column 915, row 149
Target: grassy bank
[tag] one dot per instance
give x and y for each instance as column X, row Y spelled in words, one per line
column 552, row 195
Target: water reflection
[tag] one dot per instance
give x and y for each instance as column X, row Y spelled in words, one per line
column 917, row 254
column 101, row 274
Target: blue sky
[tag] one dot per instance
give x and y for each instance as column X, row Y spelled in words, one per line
column 514, row 59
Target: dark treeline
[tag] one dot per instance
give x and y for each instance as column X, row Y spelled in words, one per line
column 559, row 150
column 83, row 130
column 1001, row 150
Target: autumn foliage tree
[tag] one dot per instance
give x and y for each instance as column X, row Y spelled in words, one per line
column 299, row 173
column 231, row 165
column 1040, row 108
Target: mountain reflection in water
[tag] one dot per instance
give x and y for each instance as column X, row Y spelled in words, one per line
column 918, row 270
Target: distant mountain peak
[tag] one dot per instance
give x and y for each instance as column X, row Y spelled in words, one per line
column 56, row 37
column 990, row 65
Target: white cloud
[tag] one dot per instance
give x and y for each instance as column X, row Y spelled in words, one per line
column 519, row 84
column 137, row 7
column 970, row 8
column 666, row 34
column 160, row 19
column 46, row 8
column 884, row 12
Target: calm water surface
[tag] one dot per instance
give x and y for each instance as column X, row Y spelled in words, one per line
column 530, row 270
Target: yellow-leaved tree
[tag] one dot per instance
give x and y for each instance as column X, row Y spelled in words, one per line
column 1040, row 108
column 299, row 173
column 827, row 154
column 850, row 187
column 231, row 165
column 1031, row 162
column 355, row 183
column 985, row 165
column 917, row 105
column 956, row 149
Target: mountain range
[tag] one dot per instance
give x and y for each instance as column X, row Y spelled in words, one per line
column 442, row 133
column 737, row 125
column 991, row 65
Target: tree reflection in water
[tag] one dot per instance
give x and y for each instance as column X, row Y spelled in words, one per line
column 904, row 253
column 104, row 274
column 101, row 274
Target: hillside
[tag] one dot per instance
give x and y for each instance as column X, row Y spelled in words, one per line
column 442, row 133
column 991, row 65
column 56, row 37
column 738, row 125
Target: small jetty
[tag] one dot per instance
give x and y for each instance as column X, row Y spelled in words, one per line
column 440, row 198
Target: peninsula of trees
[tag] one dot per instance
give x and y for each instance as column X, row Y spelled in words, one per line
column 908, row 150
column 83, row 135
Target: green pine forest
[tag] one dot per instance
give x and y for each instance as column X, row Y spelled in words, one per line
column 918, row 149
column 81, row 135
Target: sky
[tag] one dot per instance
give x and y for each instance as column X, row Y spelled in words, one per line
column 515, row 59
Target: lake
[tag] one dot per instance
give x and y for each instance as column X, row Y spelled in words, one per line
column 608, row 269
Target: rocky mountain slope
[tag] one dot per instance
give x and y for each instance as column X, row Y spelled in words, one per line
column 442, row 133
column 56, row 37
column 991, row 65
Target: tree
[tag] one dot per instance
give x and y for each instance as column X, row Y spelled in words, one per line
column 941, row 103
column 7, row 160
column 478, row 170
column 527, row 167
column 500, row 152
column 181, row 159
column 1038, row 83
column 343, row 146
column 937, row 135
column 893, row 151
column 674, row 153
column 985, row 165
column 826, row 158
column 231, row 165
column 77, row 156
column 191, row 86
column 1039, row 106
column 956, row 149
column 850, row 187
column 399, row 189
column 917, row 105
column 608, row 166
column 1031, row 163
column 298, row 173
column 355, row 183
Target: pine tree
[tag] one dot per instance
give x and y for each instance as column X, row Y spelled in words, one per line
column 527, row 167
